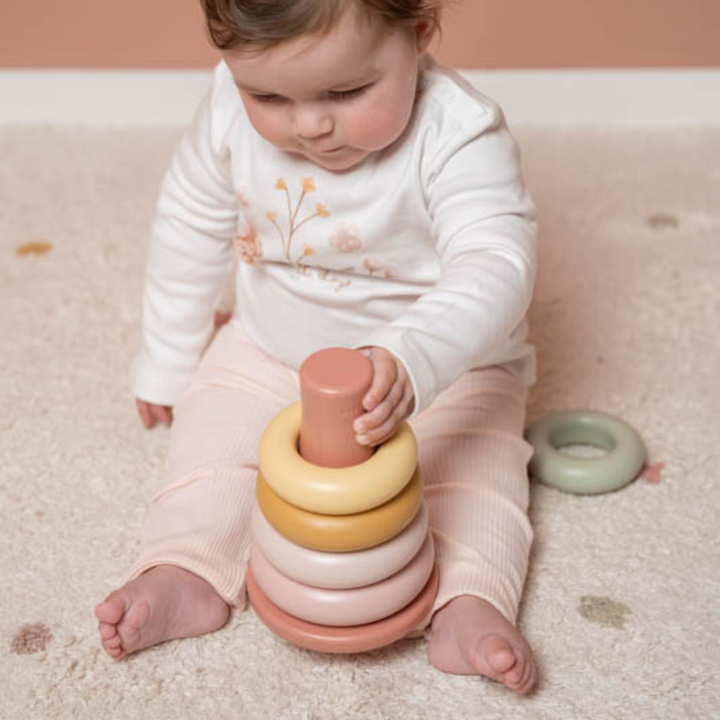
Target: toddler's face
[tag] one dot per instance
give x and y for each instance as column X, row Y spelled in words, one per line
column 333, row 99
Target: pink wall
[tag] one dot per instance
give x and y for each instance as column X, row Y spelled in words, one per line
column 477, row 33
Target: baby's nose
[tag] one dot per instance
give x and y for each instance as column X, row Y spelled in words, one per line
column 312, row 123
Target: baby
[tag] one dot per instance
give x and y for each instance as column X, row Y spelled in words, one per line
column 373, row 200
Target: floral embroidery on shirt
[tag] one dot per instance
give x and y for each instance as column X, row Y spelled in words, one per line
column 248, row 244
column 307, row 186
column 344, row 239
column 243, row 200
column 338, row 281
column 374, row 266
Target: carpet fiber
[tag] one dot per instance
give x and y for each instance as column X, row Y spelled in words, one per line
column 622, row 596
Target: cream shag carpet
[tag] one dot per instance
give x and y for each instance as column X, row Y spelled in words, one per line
column 622, row 597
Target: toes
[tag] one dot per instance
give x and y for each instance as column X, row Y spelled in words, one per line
column 113, row 643
column 507, row 664
column 529, row 684
column 107, row 630
column 113, row 646
column 111, row 610
column 119, row 623
column 533, row 679
column 521, row 680
column 515, row 674
column 497, row 653
column 135, row 619
column 115, row 653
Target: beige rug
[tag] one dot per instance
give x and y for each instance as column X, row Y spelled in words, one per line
column 622, row 599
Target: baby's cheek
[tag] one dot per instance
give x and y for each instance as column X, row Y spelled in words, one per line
column 378, row 126
column 269, row 127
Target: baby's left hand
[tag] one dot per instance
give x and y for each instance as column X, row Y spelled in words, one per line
column 388, row 402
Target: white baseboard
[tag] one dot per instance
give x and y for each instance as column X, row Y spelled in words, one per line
column 544, row 97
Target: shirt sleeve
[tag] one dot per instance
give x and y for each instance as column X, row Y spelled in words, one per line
column 484, row 224
column 190, row 254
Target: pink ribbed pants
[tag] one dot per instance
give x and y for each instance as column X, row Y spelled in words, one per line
column 472, row 455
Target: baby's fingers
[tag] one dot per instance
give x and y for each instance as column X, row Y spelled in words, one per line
column 164, row 414
column 388, row 415
column 368, row 423
column 146, row 416
column 385, row 374
column 150, row 414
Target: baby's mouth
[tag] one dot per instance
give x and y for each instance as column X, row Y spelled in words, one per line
column 331, row 151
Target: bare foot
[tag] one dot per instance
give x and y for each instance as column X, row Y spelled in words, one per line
column 164, row 603
column 472, row 637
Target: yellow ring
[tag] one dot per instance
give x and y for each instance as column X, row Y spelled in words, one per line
column 341, row 533
column 333, row 491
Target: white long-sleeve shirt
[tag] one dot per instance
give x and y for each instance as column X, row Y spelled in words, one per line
column 427, row 248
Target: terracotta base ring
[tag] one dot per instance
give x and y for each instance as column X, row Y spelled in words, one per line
column 354, row 639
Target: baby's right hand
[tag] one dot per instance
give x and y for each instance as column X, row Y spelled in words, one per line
column 150, row 414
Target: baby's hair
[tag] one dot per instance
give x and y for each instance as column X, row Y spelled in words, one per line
column 260, row 24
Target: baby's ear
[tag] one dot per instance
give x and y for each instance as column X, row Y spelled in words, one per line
column 425, row 31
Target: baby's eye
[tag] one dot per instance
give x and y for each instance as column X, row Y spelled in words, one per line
column 348, row 94
column 268, row 98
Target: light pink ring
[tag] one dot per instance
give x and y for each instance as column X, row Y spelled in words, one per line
column 339, row 570
column 342, row 608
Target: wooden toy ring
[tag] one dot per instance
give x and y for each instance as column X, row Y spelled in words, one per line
column 359, row 638
column 339, row 570
column 355, row 606
column 585, row 476
column 333, row 491
column 341, row 533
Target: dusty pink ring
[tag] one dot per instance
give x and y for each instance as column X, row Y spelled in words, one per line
column 339, row 570
column 342, row 608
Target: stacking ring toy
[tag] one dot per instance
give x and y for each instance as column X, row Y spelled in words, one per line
column 356, row 606
column 341, row 533
column 359, row 638
column 339, row 570
column 333, row 491
column 585, row 476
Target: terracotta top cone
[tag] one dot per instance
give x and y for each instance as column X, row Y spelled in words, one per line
column 333, row 383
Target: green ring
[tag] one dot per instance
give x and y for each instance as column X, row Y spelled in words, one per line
column 584, row 476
